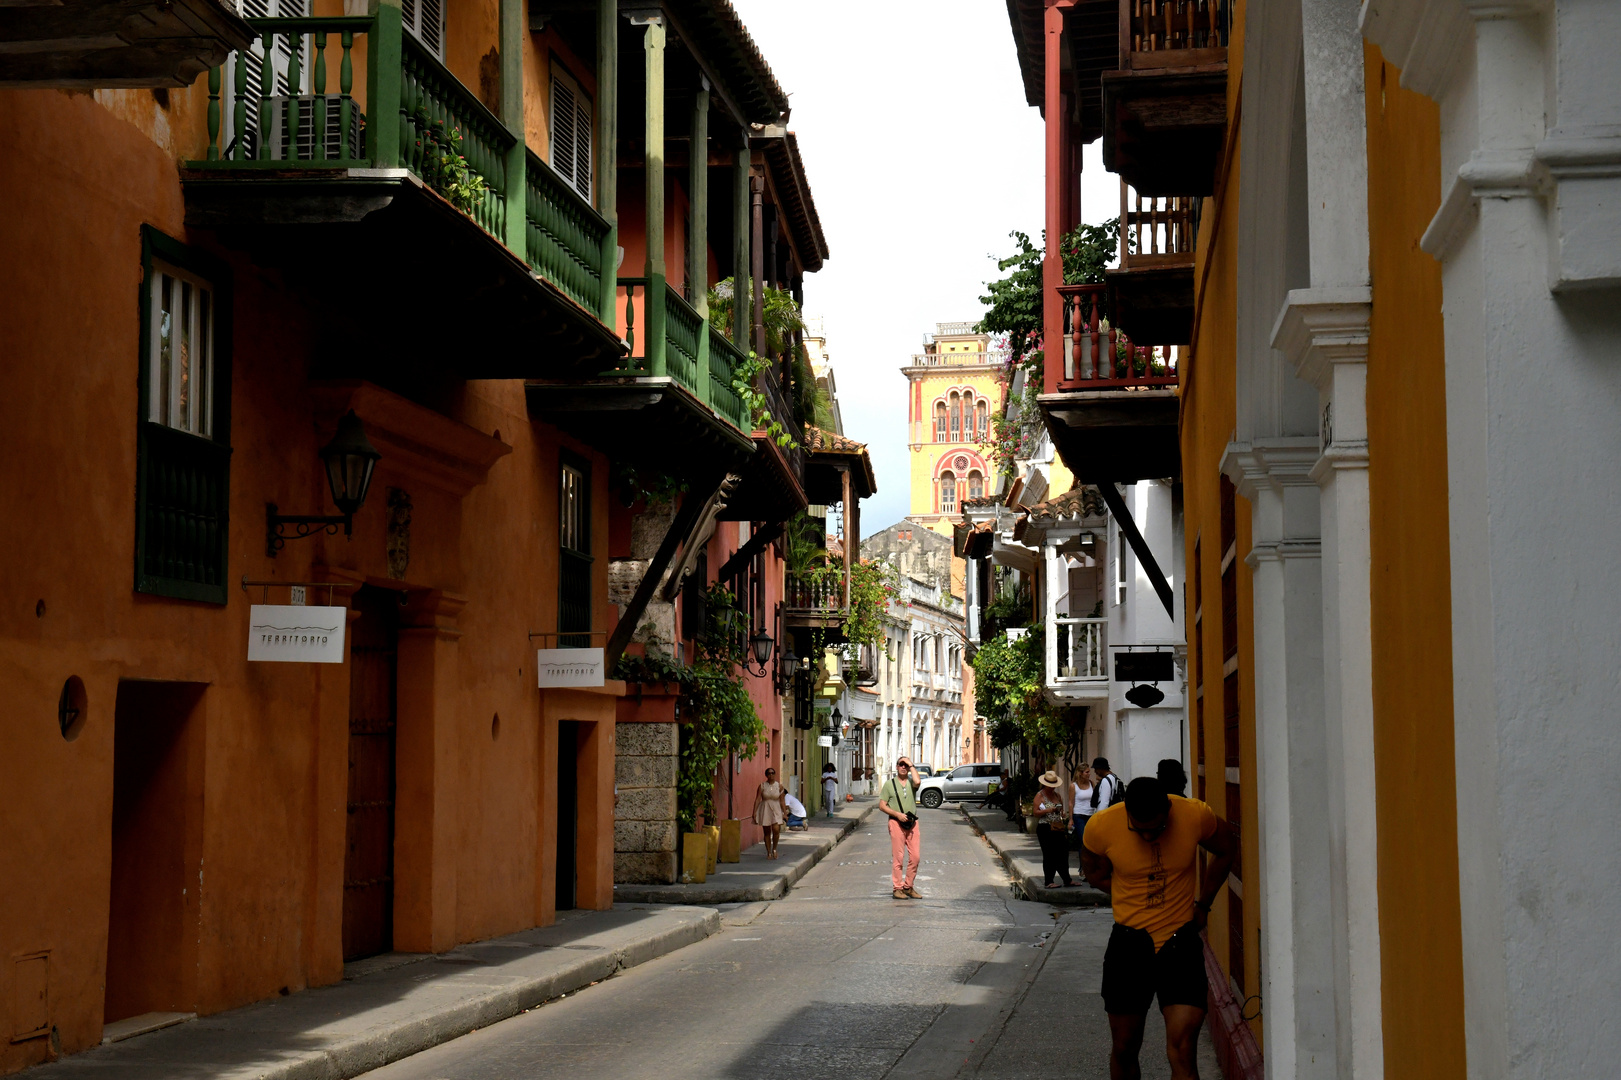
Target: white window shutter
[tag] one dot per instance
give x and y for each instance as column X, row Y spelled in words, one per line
column 563, row 141
column 582, row 148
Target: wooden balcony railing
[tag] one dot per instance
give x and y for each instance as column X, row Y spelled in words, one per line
column 275, row 108
column 1079, row 650
column 782, row 411
column 824, row 594
column 1156, row 230
column 1173, row 33
column 1095, row 356
column 689, row 350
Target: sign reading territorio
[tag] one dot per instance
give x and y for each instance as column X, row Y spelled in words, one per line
column 569, row 667
column 280, row 633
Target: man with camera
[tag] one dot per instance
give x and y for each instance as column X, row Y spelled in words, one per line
column 899, row 801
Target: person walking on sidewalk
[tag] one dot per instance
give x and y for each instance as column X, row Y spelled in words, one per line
column 1081, row 806
column 769, row 812
column 899, row 800
column 1106, row 790
column 1142, row 856
column 830, row 787
column 1052, row 830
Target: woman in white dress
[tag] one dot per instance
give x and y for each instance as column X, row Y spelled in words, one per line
column 768, row 811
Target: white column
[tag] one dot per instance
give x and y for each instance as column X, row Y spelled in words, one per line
column 1297, row 961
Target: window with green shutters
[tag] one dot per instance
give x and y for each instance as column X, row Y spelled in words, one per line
column 574, row 562
column 183, row 444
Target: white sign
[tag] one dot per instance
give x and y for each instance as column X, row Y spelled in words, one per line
column 824, row 740
column 569, row 667
column 292, row 634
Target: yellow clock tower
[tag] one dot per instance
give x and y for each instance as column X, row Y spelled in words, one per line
column 954, row 387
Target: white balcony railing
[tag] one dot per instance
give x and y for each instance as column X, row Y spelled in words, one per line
column 1079, row 650
column 954, row 358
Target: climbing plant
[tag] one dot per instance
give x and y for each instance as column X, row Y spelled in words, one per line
column 720, row 718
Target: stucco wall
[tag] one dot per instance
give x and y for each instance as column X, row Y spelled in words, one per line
column 477, row 798
column 1420, row 937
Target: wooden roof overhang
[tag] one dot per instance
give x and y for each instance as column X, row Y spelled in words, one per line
column 1153, row 305
column 410, row 290
column 790, row 189
column 1115, row 436
column 1164, row 126
column 91, row 44
column 1092, row 34
column 771, row 491
column 649, row 422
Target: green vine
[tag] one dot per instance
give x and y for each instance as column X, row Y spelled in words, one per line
column 720, row 718
column 1010, row 682
column 872, row 586
column 757, row 404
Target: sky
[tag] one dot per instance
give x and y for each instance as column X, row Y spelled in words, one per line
column 922, row 156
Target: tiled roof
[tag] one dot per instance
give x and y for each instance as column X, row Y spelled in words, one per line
column 725, row 42
column 830, row 443
column 1077, row 502
column 791, row 189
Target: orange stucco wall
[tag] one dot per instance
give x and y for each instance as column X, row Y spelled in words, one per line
column 1209, row 387
column 1419, row 931
column 474, row 824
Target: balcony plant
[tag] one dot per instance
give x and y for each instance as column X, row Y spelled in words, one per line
column 783, row 322
column 720, row 715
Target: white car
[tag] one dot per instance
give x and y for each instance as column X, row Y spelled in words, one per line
column 965, row 783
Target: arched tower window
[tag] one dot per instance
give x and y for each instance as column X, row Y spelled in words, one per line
column 948, row 493
column 956, row 418
column 982, row 417
column 939, row 421
column 976, row 485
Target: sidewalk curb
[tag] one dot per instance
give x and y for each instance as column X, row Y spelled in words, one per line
column 780, row 884
column 474, row 1004
column 1026, row 873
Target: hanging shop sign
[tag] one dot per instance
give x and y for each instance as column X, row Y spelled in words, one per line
column 296, row 634
column 1145, row 671
column 824, row 740
column 570, row 667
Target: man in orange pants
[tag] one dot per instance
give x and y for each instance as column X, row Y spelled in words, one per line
column 899, row 801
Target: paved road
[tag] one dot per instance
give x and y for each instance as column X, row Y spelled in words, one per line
column 838, row 981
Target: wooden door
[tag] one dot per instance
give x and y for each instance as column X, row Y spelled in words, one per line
column 368, row 864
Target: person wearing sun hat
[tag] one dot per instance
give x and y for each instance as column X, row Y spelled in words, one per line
column 1052, row 830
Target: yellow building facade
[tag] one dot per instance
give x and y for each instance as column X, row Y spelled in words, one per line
column 953, row 389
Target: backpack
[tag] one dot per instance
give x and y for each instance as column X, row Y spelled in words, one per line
column 1117, row 790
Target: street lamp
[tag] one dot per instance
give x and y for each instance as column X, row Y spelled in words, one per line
column 349, row 459
column 760, row 644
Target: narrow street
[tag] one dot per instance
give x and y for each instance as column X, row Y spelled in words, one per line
column 838, row 980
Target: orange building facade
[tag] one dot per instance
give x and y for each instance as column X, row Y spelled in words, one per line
column 194, row 308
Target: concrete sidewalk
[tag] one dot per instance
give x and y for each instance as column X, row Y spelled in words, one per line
column 395, row 1005
column 756, row 877
column 1022, row 854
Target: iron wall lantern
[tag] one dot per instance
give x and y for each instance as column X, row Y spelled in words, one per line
column 760, row 645
column 350, row 459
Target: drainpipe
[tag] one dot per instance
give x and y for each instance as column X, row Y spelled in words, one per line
column 740, row 242
column 757, row 246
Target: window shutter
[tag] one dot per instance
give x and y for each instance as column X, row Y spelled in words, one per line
column 183, row 459
column 425, row 19
column 563, row 115
column 571, row 133
column 582, row 148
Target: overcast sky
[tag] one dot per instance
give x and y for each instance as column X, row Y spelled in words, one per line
column 922, row 156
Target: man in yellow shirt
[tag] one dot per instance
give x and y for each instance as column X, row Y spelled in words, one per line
column 1143, row 853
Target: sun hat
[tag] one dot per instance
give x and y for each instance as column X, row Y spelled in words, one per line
column 1050, row 779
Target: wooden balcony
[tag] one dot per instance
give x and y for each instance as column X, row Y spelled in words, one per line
column 1109, row 403
column 1150, row 296
column 441, row 242
column 773, row 487
column 90, row 44
column 672, row 401
column 1165, row 109
column 815, row 602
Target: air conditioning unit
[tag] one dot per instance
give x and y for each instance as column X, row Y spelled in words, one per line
column 335, row 144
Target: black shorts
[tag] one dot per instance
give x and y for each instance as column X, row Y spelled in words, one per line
column 1134, row 974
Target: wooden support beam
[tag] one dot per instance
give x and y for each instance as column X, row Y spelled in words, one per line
column 740, row 244
column 653, row 305
column 697, row 499
column 512, row 30
column 761, row 539
column 1128, row 527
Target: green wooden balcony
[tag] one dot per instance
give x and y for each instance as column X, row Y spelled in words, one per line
column 679, row 343
column 294, row 142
